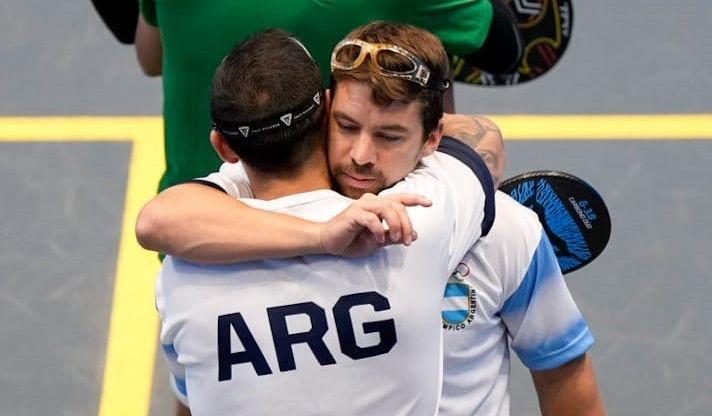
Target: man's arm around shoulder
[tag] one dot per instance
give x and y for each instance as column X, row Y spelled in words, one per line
column 483, row 136
column 199, row 223
column 202, row 224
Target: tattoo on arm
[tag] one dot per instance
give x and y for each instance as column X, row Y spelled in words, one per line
column 484, row 126
column 471, row 129
column 490, row 159
column 475, row 132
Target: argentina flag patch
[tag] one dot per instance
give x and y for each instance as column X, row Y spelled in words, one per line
column 459, row 302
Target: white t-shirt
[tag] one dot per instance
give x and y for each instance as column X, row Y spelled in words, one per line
column 508, row 290
column 322, row 334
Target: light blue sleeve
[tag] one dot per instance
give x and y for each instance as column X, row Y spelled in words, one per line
column 169, row 329
column 177, row 377
column 546, row 327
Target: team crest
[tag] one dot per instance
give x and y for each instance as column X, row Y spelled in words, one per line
column 460, row 300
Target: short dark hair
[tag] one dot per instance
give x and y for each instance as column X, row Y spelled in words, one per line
column 421, row 43
column 264, row 77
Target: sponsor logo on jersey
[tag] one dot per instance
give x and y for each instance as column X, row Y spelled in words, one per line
column 460, row 300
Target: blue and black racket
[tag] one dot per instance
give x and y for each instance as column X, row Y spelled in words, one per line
column 573, row 214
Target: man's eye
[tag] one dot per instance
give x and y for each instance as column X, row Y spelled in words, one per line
column 388, row 138
column 348, row 127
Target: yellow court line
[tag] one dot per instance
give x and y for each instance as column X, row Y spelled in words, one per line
column 80, row 128
column 131, row 349
column 514, row 127
column 605, row 127
column 131, row 345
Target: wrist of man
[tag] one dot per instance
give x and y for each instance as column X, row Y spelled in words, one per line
column 315, row 239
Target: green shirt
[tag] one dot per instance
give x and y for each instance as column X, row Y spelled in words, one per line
column 196, row 35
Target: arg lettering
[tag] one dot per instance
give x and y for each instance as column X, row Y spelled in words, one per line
column 283, row 341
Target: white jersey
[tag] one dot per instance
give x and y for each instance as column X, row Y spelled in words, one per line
column 322, row 334
column 508, row 288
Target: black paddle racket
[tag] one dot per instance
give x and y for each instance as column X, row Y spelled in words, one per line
column 545, row 26
column 120, row 17
column 573, row 214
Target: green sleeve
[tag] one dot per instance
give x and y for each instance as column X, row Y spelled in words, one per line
column 148, row 11
column 462, row 25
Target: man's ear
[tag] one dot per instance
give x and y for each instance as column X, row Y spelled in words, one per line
column 327, row 106
column 327, row 100
column 433, row 140
column 221, row 146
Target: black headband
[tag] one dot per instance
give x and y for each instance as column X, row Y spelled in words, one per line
column 269, row 124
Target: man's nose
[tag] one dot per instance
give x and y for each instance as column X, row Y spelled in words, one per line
column 363, row 151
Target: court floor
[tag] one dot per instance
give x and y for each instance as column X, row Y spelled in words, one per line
column 80, row 326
